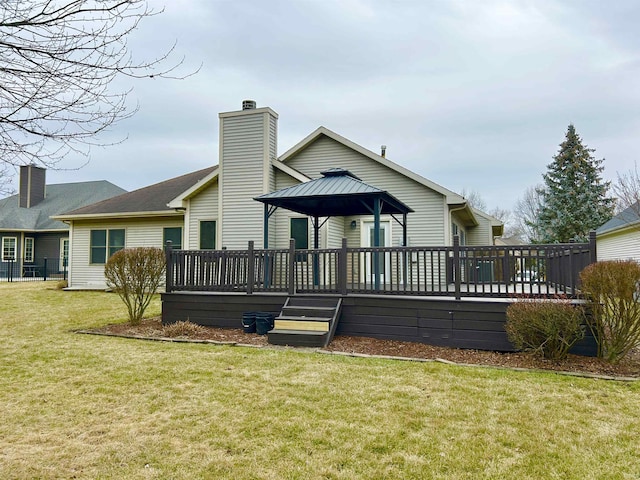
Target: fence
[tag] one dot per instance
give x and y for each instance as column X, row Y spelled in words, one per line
column 455, row 271
column 43, row 269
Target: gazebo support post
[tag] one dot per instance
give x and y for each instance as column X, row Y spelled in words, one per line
column 265, row 241
column 316, row 245
column 376, row 243
column 404, row 244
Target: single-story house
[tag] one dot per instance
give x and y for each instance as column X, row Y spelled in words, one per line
column 215, row 208
column 619, row 238
column 29, row 235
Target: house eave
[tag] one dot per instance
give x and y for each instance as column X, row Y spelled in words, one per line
column 119, row 215
column 180, row 201
column 292, row 172
column 34, row 230
column 618, row 230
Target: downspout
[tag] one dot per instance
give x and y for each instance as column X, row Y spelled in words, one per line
column 451, row 210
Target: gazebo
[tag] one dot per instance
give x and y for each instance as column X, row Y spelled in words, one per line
column 338, row 193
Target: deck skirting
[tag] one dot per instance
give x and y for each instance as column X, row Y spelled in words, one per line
column 467, row 323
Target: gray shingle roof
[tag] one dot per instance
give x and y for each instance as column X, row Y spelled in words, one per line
column 625, row 218
column 153, row 198
column 58, row 198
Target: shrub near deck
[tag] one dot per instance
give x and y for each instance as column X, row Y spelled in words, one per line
column 102, row 407
column 613, row 288
column 544, row 327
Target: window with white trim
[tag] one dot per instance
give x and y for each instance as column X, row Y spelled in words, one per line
column 207, row 234
column 29, row 243
column 9, row 248
column 105, row 242
column 173, row 234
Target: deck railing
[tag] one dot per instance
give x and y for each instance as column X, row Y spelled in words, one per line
column 456, row 271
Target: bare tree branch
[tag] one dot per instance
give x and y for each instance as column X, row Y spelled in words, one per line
column 627, row 192
column 526, row 212
column 58, row 63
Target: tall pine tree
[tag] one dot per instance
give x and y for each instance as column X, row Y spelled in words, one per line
column 574, row 197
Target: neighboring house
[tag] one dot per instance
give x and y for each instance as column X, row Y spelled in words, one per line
column 619, row 238
column 28, row 234
column 215, row 208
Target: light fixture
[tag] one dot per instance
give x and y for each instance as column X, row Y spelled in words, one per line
column 353, row 224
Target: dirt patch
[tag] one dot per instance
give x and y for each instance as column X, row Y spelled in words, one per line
column 628, row 367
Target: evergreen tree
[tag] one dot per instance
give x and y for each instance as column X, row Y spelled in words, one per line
column 574, row 197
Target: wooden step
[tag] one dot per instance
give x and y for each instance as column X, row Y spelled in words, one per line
column 318, row 324
column 315, row 301
column 308, row 311
column 297, row 338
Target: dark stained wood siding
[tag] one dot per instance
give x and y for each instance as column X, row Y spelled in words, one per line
column 446, row 322
column 216, row 310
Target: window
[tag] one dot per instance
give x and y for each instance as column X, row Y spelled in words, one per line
column 9, row 248
column 455, row 230
column 175, row 235
column 300, row 233
column 103, row 242
column 28, row 249
column 208, row 235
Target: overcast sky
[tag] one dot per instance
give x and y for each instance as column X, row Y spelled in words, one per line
column 473, row 95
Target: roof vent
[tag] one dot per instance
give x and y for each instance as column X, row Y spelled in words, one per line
column 248, row 104
column 383, row 150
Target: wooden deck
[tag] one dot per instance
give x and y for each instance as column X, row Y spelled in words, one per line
column 450, row 296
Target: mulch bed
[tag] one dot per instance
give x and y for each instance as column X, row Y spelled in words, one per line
column 629, row 367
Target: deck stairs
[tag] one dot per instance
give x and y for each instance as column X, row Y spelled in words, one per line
column 306, row 321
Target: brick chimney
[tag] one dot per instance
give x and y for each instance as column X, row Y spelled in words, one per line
column 32, row 185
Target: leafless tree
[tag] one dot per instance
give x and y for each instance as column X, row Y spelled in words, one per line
column 474, row 199
column 627, row 189
column 5, row 181
column 526, row 212
column 58, row 63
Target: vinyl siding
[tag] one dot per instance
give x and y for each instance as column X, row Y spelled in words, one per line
column 623, row 245
column 204, row 206
column 426, row 226
column 138, row 233
column 481, row 234
column 247, row 141
column 282, row 217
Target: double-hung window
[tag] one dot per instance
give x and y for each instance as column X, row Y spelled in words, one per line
column 29, row 249
column 105, row 243
column 9, row 248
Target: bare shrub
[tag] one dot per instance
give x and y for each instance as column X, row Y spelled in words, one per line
column 548, row 328
column 183, row 329
column 135, row 274
column 613, row 289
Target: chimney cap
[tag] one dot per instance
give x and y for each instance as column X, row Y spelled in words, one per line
column 248, row 104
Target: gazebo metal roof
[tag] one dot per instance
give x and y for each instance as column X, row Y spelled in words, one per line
column 338, row 193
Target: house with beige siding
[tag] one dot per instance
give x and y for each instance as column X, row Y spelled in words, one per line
column 619, row 238
column 215, row 208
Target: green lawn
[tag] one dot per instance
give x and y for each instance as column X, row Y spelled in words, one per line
column 82, row 406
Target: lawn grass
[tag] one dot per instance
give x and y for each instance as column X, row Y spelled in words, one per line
column 81, row 406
